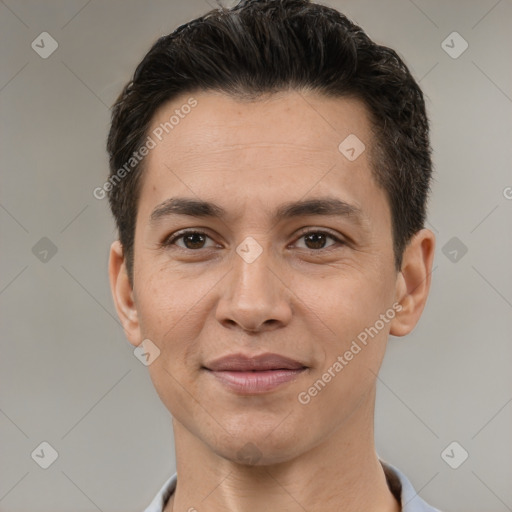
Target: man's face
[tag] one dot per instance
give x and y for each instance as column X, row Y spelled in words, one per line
column 318, row 281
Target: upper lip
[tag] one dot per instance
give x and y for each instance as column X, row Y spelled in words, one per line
column 241, row 362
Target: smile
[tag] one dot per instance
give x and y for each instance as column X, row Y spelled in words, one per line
column 254, row 375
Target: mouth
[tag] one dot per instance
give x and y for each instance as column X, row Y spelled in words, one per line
column 254, row 375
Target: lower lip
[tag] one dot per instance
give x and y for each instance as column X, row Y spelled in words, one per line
column 256, row 382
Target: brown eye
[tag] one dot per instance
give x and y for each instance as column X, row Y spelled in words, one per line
column 316, row 240
column 192, row 240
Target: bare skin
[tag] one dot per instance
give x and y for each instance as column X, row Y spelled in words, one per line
column 306, row 298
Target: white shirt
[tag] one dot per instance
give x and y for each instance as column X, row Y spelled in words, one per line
column 397, row 482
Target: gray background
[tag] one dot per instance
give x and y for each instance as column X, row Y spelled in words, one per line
column 69, row 377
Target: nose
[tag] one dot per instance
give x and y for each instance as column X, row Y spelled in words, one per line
column 255, row 297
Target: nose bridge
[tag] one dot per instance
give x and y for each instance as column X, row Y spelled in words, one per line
column 255, row 297
column 252, row 274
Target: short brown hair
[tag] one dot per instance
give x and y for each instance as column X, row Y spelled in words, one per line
column 265, row 46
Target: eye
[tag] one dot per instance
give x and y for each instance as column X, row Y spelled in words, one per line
column 315, row 240
column 192, row 240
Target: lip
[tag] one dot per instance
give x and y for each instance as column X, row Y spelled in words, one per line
column 262, row 362
column 254, row 375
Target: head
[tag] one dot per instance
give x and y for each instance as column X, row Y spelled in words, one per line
column 269, row 118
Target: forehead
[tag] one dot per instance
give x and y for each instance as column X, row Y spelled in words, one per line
column 283, row 146
column 293, row 121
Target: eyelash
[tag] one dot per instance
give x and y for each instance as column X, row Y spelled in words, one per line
column 170, row 240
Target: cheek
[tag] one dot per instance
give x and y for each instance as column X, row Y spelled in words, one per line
column 170, row 316
column 346, row 376
column 345, row 302
column 167, row 301
column 352, row 341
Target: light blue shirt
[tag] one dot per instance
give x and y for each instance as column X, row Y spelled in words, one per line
column 397, row 481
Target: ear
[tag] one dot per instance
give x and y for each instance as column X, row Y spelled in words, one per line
column 122, row 294
column 413, row 282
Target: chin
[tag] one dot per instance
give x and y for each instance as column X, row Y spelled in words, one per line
column 258, row 449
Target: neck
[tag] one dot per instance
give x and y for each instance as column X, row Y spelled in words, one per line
column 342, row 472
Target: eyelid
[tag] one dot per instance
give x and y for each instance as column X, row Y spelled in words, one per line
column 339, row 239
column 336, row 236
column 173, row 237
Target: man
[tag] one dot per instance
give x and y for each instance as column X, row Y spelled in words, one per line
column 270, row 168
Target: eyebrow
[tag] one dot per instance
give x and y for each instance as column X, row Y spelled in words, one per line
column 324, row 206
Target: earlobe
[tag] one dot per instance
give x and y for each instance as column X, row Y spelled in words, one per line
column 122, row 294
column 413, row 282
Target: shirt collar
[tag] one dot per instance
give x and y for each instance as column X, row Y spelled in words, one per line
column 400, row 485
